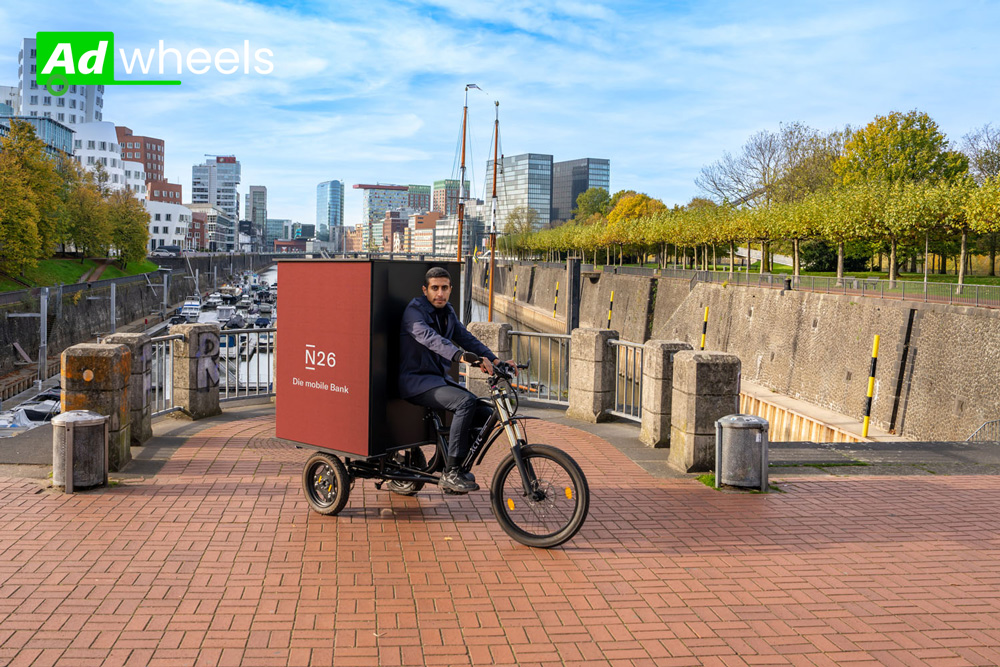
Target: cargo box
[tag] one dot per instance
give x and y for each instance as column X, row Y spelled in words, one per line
column 338, row 354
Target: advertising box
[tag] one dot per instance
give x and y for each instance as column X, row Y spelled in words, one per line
column 338, row 354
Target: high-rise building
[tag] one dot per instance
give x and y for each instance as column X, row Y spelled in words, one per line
column 256, row 212
column 445, row 196
column 377, row 199
column 524, row 180
column 79, row 104
column 215, row 183
column 147, row 150
column 418, row 197
column 571, row 178
column 330, row 208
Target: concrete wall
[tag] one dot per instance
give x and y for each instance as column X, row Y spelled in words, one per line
column 630, row 314
column 817, row 347
column 79, row 319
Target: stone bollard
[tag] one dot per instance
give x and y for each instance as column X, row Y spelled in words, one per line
column 140, row 383
column 95, row 377
column 496, row 336
column 196, row 370
column 591, row 374
column 657, row 390
column 706, row 388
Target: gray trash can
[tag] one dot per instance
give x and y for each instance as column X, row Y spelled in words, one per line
column 741, row 451
column 79, row 444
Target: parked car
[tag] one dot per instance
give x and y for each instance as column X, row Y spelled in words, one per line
column 166, row 251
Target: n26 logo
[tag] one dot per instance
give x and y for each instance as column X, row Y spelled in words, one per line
column 316, row 358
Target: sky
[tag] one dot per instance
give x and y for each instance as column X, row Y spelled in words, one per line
column 372, row 91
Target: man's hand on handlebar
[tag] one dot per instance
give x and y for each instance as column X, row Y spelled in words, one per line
column 486, row 365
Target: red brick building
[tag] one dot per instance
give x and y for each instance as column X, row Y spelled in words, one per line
column 164, row 191
column 197, row 237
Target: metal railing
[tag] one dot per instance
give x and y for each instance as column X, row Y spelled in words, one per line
column 988, row 432
column 628, row 380
column 246, row 367
column 246, row 363
column 161, row 399
column 983, row 296
column 547, row 376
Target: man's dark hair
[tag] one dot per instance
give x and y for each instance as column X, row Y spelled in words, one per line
column 436, row 272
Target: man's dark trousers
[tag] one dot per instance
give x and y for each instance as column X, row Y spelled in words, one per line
column 459, row 401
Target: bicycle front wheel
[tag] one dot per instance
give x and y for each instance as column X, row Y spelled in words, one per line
column 557, row 506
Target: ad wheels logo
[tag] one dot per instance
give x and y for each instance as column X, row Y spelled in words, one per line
column 88, row 58
column 79, row 58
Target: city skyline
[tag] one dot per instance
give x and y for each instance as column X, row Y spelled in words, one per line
column 374, row 91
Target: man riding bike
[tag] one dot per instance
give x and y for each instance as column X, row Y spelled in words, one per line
column 431, row 339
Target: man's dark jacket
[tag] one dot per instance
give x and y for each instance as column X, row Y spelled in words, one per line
column 425, row 356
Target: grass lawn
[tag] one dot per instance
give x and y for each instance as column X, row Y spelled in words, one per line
column 67, row 271
column 55, row 271
column 133, row 268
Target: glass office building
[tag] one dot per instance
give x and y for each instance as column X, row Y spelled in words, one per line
column 571, row 178
column 330, row 207
column 523, row 180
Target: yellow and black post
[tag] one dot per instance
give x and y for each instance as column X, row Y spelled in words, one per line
column 871, row 389
column 704, row 328
column 515, row 287
column 611, row 306
column 556, row 302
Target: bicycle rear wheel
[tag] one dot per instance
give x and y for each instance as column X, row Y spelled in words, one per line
column 557, row 506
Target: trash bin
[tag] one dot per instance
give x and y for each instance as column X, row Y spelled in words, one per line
column 79, row 444
column 741, row 451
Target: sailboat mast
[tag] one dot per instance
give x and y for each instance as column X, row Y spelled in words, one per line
column 461, row 177
column 493, row 209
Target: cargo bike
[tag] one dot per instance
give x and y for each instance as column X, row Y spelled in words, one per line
column 538, row 493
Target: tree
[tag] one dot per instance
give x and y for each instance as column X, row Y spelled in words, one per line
column 900, row 147
column 129, row 226
column 19, row 241
column 592, row 201
column 42, row 179
column 521, row 220
column 982, row 209
column 747, row 178
column 982, row 147
column 807, row 164
column 88, row 230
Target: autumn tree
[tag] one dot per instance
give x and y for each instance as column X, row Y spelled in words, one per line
column 128, row 223
column 19, row 240
column 42, row 179
column 900, row 148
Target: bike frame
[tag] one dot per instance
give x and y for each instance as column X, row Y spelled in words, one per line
column 504, row 415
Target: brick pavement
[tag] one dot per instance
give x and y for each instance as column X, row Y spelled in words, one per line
column 216, row 560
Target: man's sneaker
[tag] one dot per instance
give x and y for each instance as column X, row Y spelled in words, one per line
column 453, row 481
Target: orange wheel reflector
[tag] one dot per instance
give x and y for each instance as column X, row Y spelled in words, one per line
column 569, row 493
column 510, row 504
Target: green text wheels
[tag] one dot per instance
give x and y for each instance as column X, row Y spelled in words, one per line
column 326, row 483
column 415, row 458
column 557, row 506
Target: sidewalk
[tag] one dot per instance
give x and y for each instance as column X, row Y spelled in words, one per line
column 205, row 553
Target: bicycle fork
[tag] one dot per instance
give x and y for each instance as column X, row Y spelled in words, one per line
column 516, row 436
